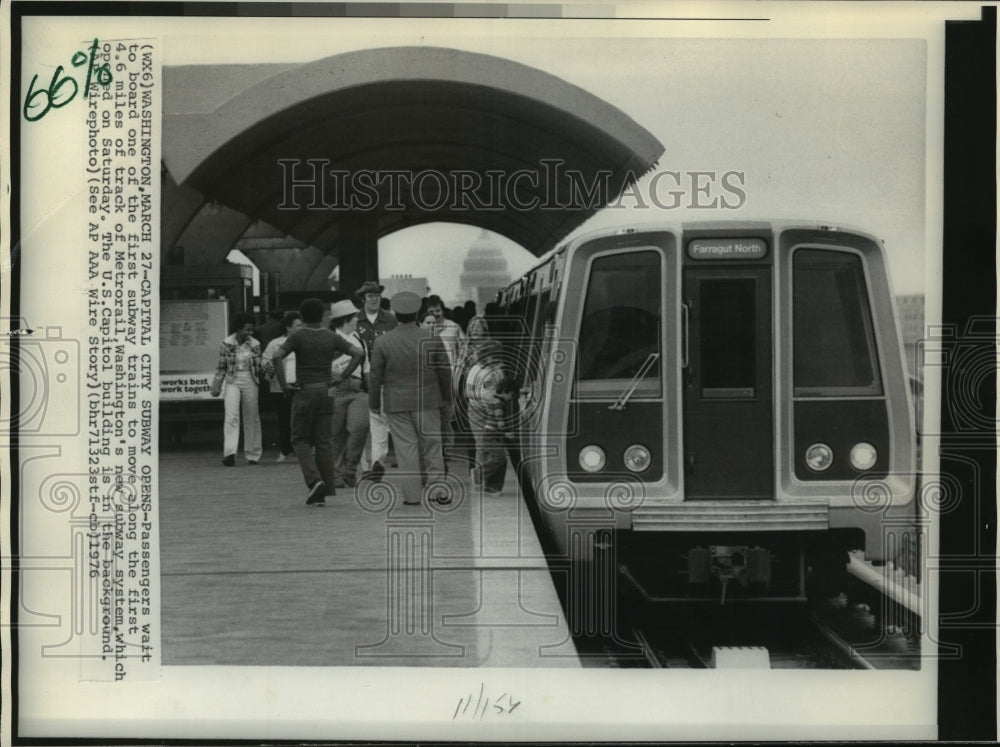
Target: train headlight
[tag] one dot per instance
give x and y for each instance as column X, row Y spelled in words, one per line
column 819, row 457
column 592, row 458
column 637, row 458
column 863, row 456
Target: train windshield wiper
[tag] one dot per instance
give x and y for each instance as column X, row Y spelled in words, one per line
column 627, row 393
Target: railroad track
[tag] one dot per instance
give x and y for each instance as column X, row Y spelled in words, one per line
column 875, row 624
column 832, row 635
column 843, row 647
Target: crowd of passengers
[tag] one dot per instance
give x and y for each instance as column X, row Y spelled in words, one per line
column 368, row 380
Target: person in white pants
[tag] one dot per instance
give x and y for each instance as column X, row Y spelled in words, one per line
column 377, row 447
column 239, row 370
column 374, row 321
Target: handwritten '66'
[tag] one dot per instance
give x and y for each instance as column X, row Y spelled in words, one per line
column 57, row 95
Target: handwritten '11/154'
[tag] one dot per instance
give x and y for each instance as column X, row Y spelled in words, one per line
column 502, row 705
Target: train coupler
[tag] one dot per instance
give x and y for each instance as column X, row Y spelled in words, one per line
column 729, row 563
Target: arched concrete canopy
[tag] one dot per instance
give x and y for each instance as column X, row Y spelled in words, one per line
column 404, row 108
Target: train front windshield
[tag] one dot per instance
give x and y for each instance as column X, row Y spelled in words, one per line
column 620, row 327
column 834, row 351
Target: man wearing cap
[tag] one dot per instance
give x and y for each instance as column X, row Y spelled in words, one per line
column 410, row 383
column 314, row 346
column 374, row 321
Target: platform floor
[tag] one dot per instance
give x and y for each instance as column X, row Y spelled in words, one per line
column 250, row 575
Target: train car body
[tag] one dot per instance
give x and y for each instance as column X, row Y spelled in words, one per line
column 727, row 401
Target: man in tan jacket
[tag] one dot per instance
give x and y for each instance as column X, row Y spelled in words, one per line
column 410, row 383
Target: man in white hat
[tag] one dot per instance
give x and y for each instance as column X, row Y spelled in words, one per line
column 374, row 321
column 410, row 383
column 350, row 398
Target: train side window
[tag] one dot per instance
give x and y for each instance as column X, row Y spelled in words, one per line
column 833, row 339
column 620, row 326
column 529, row 312
column 530, row 348
column 543, row 314
column 516, row 312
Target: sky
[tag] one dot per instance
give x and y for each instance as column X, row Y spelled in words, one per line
column 826, row 130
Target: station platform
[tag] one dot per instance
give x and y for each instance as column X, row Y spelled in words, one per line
column 250, row 575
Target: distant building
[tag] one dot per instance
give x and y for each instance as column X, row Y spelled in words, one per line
column 399, row 283
column 484, row 271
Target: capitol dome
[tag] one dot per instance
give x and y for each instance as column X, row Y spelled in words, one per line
column 484, row 271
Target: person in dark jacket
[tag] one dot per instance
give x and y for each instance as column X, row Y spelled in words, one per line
column 490, row 392
column 410, row 382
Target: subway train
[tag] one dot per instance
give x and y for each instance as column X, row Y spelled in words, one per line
column 711, row 411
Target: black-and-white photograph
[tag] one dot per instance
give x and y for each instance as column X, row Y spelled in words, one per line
column 460, row 360
column 679, row 312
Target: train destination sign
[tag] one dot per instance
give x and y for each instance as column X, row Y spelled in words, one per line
column 727, row 248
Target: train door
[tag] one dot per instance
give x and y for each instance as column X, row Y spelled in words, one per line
column 727, row 368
